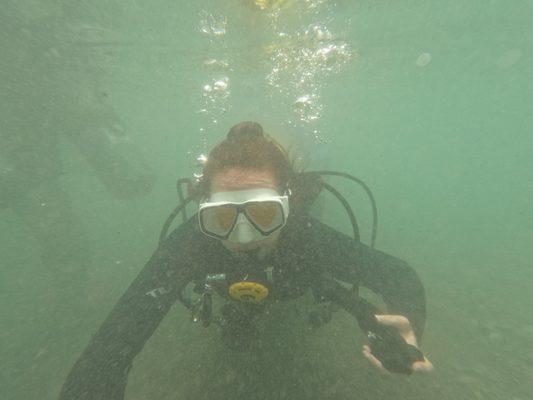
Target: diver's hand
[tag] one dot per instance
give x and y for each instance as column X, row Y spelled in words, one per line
column 403, row 326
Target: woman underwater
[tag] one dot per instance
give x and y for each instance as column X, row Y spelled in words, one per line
column 255, row 242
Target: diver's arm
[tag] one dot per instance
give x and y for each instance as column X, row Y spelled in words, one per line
column 388, row 276
column 101, row 371
column 397, row 283
column 394, row 336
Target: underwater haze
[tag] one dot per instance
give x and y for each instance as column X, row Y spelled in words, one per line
column 106, row 103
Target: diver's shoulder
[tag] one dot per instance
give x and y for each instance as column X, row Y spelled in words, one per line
column 304, row 227
column 306, row 222
column 185, row 234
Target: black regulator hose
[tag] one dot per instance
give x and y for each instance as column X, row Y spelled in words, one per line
column 170, row 218
column 347, row 207
column 181, row 197
column 369, row 194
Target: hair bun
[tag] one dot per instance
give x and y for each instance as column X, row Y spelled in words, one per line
column 245, row 130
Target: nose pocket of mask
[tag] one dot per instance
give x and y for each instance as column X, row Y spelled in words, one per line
column 243, row 232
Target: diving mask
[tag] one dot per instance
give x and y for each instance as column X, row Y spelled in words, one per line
column 243, row 216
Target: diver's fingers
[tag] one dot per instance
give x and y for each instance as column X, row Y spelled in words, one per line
column 418, row 366
column 423, row 366
column 400, row 323
column 374, row 361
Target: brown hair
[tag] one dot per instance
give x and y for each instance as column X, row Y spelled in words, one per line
column 247, row 146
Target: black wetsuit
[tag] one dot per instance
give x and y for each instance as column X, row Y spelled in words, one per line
column 307, row 250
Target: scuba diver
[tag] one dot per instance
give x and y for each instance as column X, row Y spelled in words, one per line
column 253, row 242
column 54, row 60
column 55, row 103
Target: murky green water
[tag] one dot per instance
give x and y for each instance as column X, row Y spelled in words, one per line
column 429, row 102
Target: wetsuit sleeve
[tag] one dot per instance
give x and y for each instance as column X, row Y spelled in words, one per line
column 398, row 284
column 396, row 281
column 102, row 369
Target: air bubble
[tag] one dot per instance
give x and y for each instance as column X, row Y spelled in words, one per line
column 201, row 159
column 302, row 101
column 509, row 58
column 221, row 85
column 217, row 65
column 423, row 59
column 213, row 26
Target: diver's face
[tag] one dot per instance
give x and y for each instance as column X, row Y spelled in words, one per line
column 244, row 179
